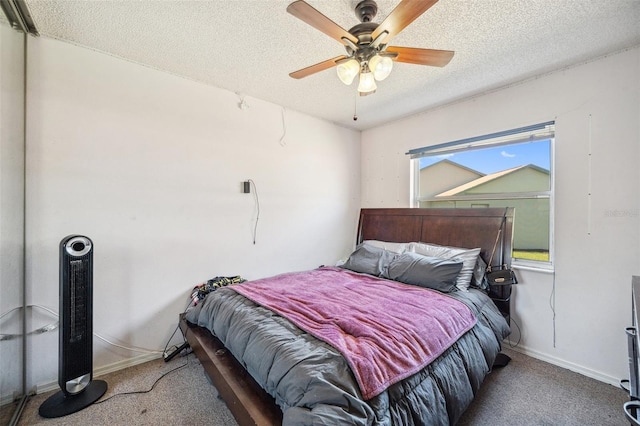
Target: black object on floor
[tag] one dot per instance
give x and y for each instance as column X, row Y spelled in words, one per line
column 501, row 360
column 61, row 404
column 175, row 352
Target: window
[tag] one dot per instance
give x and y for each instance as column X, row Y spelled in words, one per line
column 505, row 169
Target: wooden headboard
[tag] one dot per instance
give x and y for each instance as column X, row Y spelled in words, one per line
column 468, row 228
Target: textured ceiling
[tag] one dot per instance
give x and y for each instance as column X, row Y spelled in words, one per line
column 249, row 47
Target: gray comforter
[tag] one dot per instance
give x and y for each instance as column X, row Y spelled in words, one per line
column 313, row 384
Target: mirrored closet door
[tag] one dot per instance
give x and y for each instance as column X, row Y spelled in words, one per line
column 12, row 139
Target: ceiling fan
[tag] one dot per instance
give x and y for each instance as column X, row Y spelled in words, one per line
column 369, row 55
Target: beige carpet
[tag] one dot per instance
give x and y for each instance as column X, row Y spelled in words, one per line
column 526, row 392
column 532, row 392
column 182, row 397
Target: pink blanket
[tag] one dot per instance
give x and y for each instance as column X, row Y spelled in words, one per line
column 386, row 330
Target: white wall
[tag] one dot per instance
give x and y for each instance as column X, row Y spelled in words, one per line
column 150, row 167
column 596, row 107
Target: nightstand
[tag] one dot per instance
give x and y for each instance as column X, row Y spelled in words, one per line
column 501, row 296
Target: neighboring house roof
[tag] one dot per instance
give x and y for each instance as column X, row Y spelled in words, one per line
column 453, row 163
column 444, row 175
column 488, row 178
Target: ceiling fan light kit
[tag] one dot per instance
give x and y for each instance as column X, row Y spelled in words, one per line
column 368, row 54
column 367, row 84
column 381, row 66
column 347, row 70
column 371, row 70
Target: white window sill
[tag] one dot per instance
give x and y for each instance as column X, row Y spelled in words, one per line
column 543, row 268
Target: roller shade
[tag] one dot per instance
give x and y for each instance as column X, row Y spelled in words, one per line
column 531, row 133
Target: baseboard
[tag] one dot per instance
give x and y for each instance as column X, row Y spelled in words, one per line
column 605, row 378
column 105, row 369
column 9, row 398
column 130, row 362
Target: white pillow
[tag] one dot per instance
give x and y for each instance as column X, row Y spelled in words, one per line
column 467, row 256
column 394, row 247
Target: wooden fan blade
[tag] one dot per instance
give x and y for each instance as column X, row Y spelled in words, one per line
column 414, row 55
column 405, row 13
column 305, row 72
column 303, row 11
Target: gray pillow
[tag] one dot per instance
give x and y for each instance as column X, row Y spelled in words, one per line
column 425, row 271
column 394, row 247
column 468, row 257
column 368, row 259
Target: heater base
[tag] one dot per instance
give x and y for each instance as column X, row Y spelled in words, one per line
column 59, row 404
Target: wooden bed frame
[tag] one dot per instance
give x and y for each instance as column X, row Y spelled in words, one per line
column 469, row 228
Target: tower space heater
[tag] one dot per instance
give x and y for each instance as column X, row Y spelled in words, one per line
column 75, row 346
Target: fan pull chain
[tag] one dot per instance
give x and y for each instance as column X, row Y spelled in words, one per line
column 355, row 107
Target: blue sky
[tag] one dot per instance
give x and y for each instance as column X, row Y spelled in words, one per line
column 491, row 160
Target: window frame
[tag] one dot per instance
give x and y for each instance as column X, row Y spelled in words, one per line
column 540, row 132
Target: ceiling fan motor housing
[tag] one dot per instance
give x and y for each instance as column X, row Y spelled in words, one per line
column 362, row 32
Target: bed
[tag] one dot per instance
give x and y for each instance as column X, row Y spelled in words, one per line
column 271, row 370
